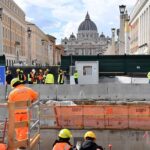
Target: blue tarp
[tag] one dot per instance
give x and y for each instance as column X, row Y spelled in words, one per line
column 2, row 75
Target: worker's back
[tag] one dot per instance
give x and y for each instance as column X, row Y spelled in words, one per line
column 90, row 145
column 49, row 79
column 62, row 146
column 22, row 93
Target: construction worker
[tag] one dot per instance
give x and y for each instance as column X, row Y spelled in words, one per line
column 9, row 77
column 148, row 76
column 40, row 77
column 60, row 77
column 49, row 78
column 89, row 142
column 20, row 92
column 45, row 74
column 32, row 78
column 76, row 76
column 22, row 76
column 63, row 142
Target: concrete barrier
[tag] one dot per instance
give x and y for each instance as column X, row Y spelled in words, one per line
column 103, row 91
column 120, row 140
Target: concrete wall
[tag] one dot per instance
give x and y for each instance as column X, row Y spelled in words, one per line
column 103, row 91
column 120, row 140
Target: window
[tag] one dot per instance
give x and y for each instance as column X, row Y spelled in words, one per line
column 87, row 70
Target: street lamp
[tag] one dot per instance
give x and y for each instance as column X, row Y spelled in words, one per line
column 29, row 31
column 113, row 30
column 123, row 17
column 122, row 9
column 1, row 32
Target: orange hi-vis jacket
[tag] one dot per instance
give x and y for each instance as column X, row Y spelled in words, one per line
column 62, row 146
column 22, row 93
column 3, row 146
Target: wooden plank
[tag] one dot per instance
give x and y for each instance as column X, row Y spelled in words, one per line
column 21, row 124
column 34, row 141
column 21, row 143
column 11, row 126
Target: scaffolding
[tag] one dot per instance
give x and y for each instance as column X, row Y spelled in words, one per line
column 33, row 140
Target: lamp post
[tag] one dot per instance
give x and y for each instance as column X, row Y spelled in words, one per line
column 127, row 44
column 122, row 9
column 17, row 44
column 43, row 51
column 121, row 33
column 1, row 32
column 29, row 31
column 113, row 41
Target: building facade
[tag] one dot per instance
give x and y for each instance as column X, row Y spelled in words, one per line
column 140, row 28
column 12, row 32
column 39, row 46
column 59, row 50
column 87, row 42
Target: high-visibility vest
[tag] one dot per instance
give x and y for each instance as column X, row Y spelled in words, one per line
column 29, row 77
column 2, row 146
column 148, row 75
column 60, row 78
column 62, row 146
column 76, row 75
column 49, row 79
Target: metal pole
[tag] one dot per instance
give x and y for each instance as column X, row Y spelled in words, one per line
column 1, row 33
column 29, row 45
column 127, row 36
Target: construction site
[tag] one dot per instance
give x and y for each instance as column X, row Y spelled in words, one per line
column 118, row 113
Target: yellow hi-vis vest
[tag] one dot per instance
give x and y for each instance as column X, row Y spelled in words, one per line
column 148, row 75
column 49, row 79
column 76, row 75
column 60, row 78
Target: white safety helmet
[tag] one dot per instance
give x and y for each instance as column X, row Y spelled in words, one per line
column 33, row 70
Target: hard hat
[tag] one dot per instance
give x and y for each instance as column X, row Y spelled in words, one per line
column 40, row 70
column 21, row 71
column 65, row 133
column 33, row 70
column 13, row 81
column 7, row 72
column 90, row 134
column 18, row 70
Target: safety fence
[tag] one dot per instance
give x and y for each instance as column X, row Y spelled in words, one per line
column 97, row 116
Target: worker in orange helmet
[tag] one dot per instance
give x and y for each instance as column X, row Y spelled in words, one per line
column 3, row 146
column 89, row 142
column 21, row 92
column 63, row 142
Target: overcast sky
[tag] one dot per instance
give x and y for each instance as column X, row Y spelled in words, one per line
column 62, row 17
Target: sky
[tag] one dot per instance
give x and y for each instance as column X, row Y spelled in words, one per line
column 61, row 18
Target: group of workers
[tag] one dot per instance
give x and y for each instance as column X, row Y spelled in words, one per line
column 63, row 141
column 21, row 92
column 40, row 77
